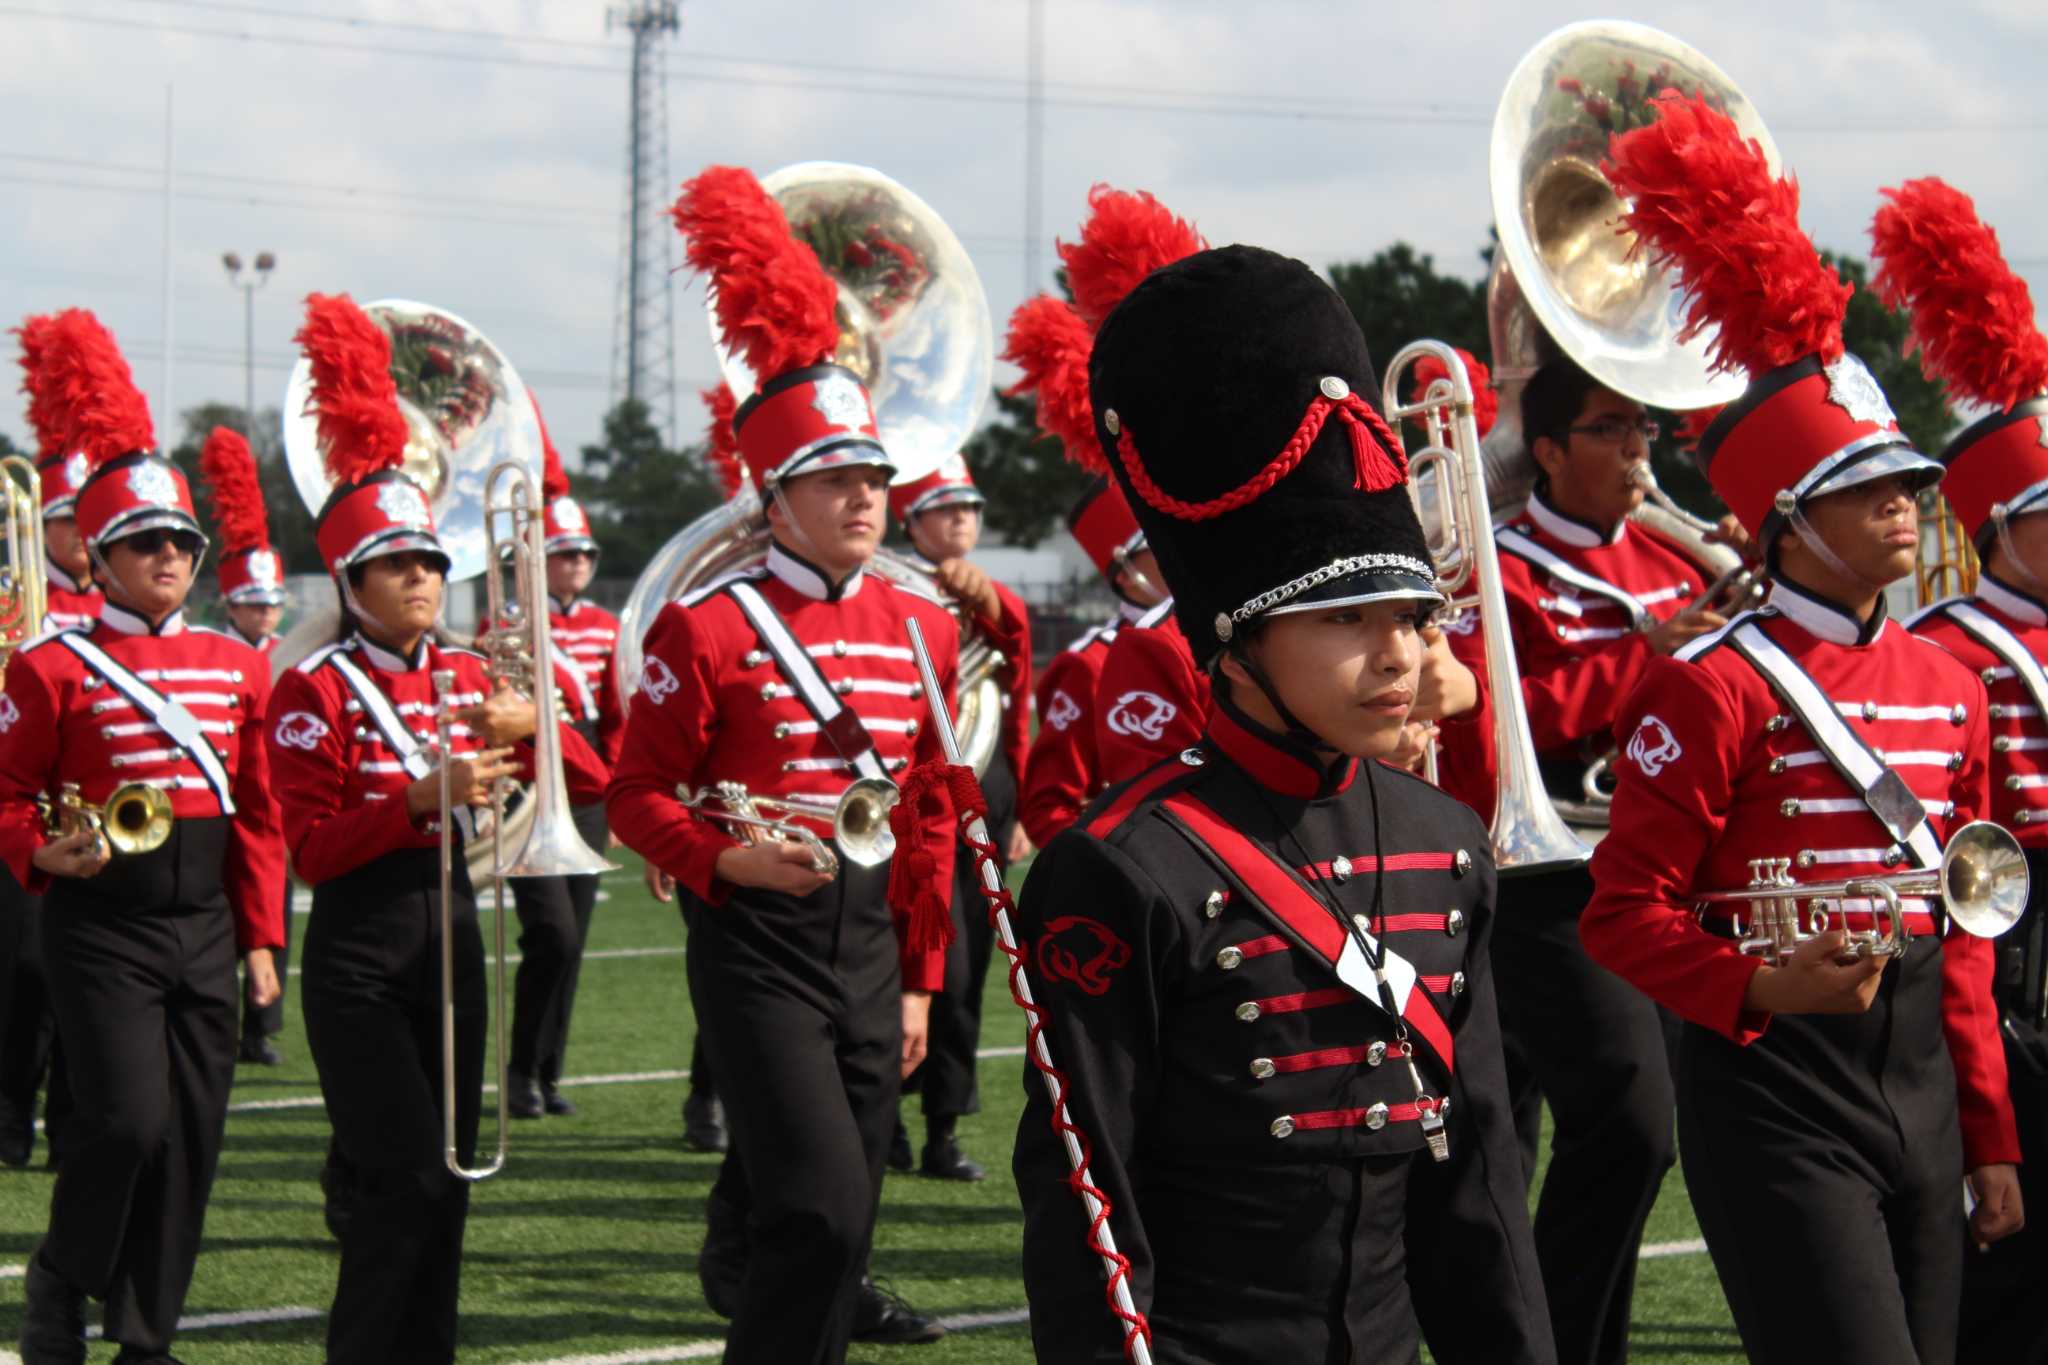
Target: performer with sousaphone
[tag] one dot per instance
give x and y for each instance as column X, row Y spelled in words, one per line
column 783, row 681
column 135, row 798
column 381, row 739
column 1792, row 866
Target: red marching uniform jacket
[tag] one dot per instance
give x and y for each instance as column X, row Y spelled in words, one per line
column 1062, row 774
column 71, row 603
column 1151, row 701
column 1580, row 648
column 1013, row 638
column 340, row 783
column 2019, row 729
column 61, row 722
column 589, row 634
column 1715, row 772
column 713, row 706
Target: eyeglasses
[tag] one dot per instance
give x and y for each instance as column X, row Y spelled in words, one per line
column 590, row 555
column 150, row 542
column 1614, row 430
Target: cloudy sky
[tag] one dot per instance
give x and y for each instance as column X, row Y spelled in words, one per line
column 471, row 152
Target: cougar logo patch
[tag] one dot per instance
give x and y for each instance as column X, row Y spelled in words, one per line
column 9, row 713
column 1464, row 623
column 658, row 681
column 1144, row 714
column 1063, row 712
column 1081, row 950
column 1653, row 746
column 298, row 730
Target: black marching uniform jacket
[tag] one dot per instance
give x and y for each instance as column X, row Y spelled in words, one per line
column 1226, row 1051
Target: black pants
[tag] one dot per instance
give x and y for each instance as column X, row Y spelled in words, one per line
column 947, row 1076
column 554, row 925
column 141, row 967
column 1593, row 1046
column 372, row 996
column 701, row 1077
column 1824, row 1164
column 800, row 1006
column 29, row 1051
column 268, row 1021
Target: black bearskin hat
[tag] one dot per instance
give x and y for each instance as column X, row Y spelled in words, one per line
column 1235, row 399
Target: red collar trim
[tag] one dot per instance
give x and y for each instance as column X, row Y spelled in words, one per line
column 1275, row 763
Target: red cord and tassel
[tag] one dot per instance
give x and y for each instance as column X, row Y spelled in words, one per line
column 1972, row 316
column 914, row 886
column 1378, row 458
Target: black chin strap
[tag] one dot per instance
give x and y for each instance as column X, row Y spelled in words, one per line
column 1294, row 729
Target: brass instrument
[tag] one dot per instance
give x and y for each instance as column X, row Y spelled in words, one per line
column 859, row 820
column 24, row 582
column 1528, row 835
column 914, row 325
column 1740, row 585
column 1982, row 884
column 135, row 818
column 1947, row 565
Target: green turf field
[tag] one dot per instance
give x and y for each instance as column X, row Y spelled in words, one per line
column 585, row 1248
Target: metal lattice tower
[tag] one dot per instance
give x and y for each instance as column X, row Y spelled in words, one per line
column 643, row 328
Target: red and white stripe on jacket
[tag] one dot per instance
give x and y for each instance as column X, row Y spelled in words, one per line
column 60, row 722
column 1715, row 773
column 2019, row 732
column 71, row 603
column 589, row 635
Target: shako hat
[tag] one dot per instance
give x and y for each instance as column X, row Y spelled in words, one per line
column 950, row 485
column 777, row 310
column 374, row 509
column 1972, row 319
column 1813, row 420
column 564, row 526
column 249, row 570
column 1231, row 396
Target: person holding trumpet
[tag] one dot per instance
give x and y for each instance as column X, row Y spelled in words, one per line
column 350, row 735
column 1834, row 1089
column 135, row 799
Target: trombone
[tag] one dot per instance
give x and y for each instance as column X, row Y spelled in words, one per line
column 859, row 820
column 519, row 645
column 1982, row 884
column 24, row 583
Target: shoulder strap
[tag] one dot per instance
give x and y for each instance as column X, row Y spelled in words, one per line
column 166, row 714
column 1993, row 635
column 413, row 755
column 1882, row 789
column 1154, row 614
column 836, row 721
column 586, row 704
column 1522, row 547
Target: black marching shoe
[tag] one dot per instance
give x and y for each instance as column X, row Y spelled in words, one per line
column 722, row 1261
column 135, row 1355
column 337, row 1191
column 555, row 1102
column 880, row 1316
column 899, row 1149
column 522, row 1097
column 257, row 1050
column 52, row 1319
column 703, row 1122
column 944, row 1160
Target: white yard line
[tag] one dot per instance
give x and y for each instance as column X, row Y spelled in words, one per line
column 1656, row 1249
column 707, row 1350
column 207, row 1320
column 12, row 1272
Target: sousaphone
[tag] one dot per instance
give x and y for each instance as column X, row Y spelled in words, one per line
column 914, row 325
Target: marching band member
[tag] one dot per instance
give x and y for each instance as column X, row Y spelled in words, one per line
column 1973, row 320
column 1263, row 962
column 350, row 738
column 941, row 514
column 140, row 947
column 1827, row 1107
column 554, row 912
column 1592, row 598
column 790, row 680
column 252, row 586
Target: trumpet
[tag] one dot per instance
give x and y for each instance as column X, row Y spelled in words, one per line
column 859, row 820
column 135, row 817
column 1982, row 884
column 1741, row 585
column 24, row 584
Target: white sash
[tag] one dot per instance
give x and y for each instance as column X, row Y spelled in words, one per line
column 1522, row 547
column 835, row 722
column 167, row 715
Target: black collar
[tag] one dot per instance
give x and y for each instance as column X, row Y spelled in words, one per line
column 256, row 643
column 128, row 621
column 807, row 578
column 390, row 660
column 562, row 608
column 57, row 576
column 2002, row 596
column 1275, row 761
column 1569, row 529
column 1825, row 617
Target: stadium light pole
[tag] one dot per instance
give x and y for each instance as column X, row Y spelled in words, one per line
column 248, row 282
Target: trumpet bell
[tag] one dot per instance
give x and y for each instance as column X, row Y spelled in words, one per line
column 466, row 411
column 860, row 822
column 1559, row 221
column 1984, row 879
column 137, row 818
column 914, row 321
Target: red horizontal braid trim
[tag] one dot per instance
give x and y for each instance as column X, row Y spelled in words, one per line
column 1406, row 1112
column 1399, row 862
column 1329, row 1056
column 1259, row 947
column 1439, row 984
column 1304, row 1000
column 1414, row 924
column 1134, row 796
